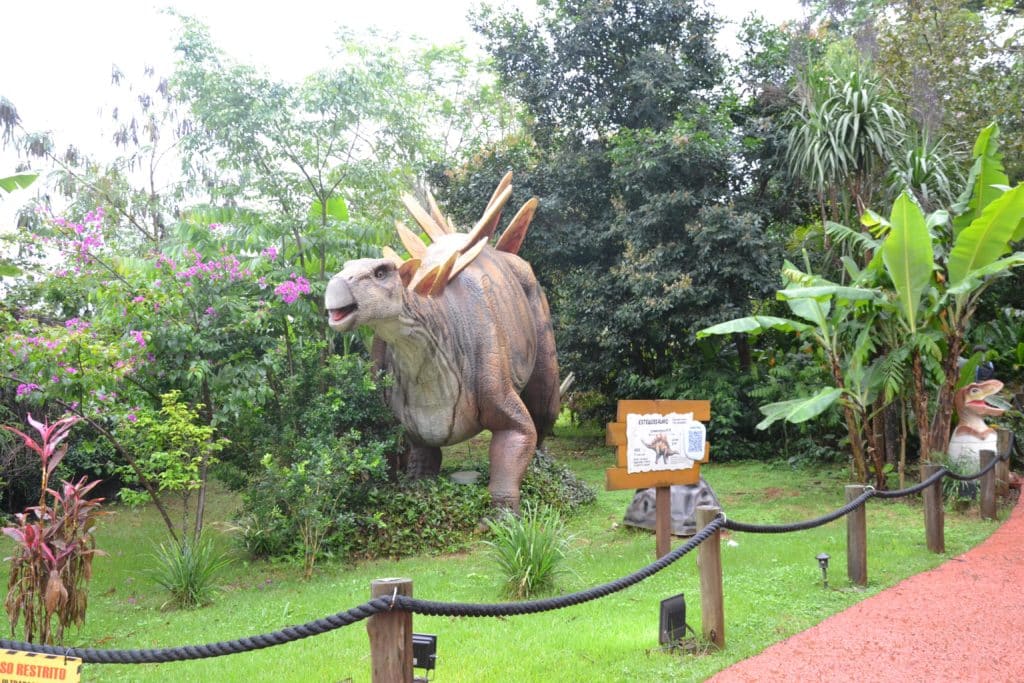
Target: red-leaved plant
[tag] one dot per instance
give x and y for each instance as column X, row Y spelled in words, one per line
column 52, row 563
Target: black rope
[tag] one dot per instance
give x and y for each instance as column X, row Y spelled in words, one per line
column 452, row 609
column 916, row 488
column 230, row 647
column 977, row 475
column 801, row 526
column 430, row 607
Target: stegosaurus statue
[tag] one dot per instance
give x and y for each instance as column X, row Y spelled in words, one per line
column 465, row 331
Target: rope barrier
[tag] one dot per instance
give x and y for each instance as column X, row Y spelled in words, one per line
column 977, row 475
column 230, row 647
column 456, row 609
column 916, row 488
column 807, row 524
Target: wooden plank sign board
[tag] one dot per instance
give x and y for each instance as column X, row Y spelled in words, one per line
column 658, row 443
column 685, row 416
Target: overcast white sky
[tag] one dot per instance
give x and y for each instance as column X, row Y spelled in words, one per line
column 56, row 55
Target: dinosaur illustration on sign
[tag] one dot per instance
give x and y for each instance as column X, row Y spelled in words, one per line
column 661, row 447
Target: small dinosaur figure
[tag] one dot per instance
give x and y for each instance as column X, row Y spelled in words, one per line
column 464, row 329
column 661, row 447
column 973, row 403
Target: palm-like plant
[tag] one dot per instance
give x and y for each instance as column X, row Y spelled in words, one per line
column 927, row 169
column 840, row 135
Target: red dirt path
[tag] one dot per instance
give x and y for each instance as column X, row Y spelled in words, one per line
column 962, row 621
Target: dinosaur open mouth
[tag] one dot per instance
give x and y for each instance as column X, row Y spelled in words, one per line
column 992, row 402
column 339, row 314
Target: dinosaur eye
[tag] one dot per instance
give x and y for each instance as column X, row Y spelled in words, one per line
column 380, row 272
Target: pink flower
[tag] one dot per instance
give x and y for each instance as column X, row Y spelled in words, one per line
column 270, row 253
column 291, row 290
column 26, row 388
column 137, row 336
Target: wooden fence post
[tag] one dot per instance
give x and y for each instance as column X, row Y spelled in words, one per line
column 1004, row 442
column 391, row 635
column 934, row 514
column 856, row 539
column 709, row 564
column 662, row 521
column 988, row 485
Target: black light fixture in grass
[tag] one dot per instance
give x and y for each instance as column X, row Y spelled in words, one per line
column 823, row 563
column 424, row 653
column 672, row 622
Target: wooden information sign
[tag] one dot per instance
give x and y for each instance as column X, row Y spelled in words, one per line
column 658, row 443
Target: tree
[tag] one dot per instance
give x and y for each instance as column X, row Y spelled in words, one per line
column 958, row 67
column 841, row 132
column 634, row 166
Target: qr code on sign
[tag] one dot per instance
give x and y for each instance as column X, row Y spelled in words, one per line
column 695, row 440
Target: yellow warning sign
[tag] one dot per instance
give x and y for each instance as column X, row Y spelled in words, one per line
column 29, row 667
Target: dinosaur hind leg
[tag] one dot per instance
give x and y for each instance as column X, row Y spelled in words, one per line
column 541, row 392
column 424, row 461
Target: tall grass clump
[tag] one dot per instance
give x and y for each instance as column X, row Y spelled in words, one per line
column 530, row 549
column 188, row 571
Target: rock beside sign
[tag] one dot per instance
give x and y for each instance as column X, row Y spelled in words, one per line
column 685, row 499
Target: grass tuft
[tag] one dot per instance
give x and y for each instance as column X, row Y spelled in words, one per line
column 188, row 571
column 530, row 550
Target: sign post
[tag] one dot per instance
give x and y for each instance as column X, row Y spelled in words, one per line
column 659, row 443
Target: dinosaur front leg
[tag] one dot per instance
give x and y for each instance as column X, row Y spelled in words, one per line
column 510, row 455
column 424, row 461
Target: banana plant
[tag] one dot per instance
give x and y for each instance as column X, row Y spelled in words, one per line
column 938, row 297
column 911, row 304
column 833, row 316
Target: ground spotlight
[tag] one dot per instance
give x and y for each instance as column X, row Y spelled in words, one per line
column 823, row 563
column 672, row 622
column 424, row 653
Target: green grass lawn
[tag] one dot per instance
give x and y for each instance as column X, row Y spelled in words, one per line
column 772, row 589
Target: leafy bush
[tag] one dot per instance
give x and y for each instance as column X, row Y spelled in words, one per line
column 338, row 500
column 552, row 484
column 188, row 571
column 174, row 449
column 529, row 549
column 300, row 507
column 317, row 395
column 407, row 517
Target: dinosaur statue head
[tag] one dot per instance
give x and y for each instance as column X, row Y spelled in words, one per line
column 365, row 290
column 979, row 399
column 369, row 290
